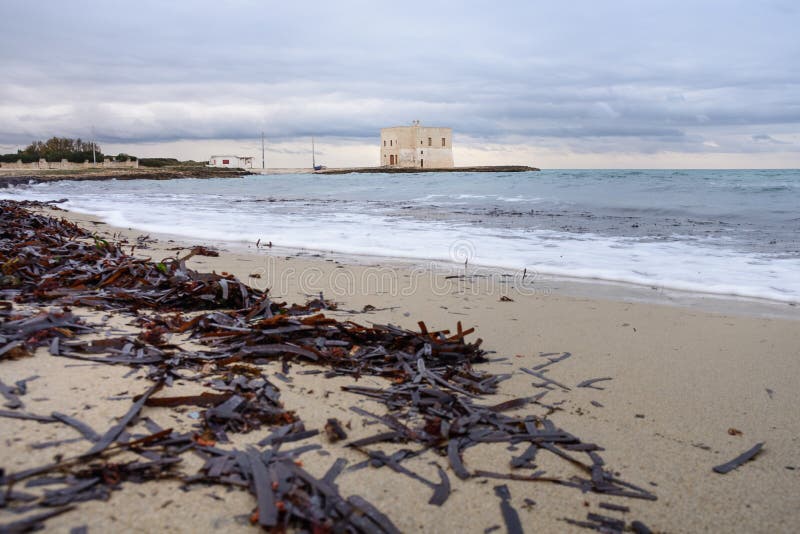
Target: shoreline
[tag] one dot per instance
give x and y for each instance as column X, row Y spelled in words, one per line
column 702, row 257
column 680, row 379
column 580, row 287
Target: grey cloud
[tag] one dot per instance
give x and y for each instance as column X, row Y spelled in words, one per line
column 764, row 138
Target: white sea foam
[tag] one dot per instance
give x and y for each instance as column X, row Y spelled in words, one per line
column 464, row 196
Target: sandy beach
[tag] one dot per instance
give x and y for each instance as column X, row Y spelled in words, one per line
column 694, row 382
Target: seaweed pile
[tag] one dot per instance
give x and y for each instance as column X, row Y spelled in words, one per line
column 432, row 397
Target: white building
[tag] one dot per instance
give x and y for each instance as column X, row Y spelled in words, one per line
column 232, row 162
column 417, row 146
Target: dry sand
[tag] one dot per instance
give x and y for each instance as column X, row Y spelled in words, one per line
column 682, row 377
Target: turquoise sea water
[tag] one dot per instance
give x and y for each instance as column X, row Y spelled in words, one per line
column 728, row 232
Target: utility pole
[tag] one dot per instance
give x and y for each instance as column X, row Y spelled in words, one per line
column 94, row 157
column 263, row 160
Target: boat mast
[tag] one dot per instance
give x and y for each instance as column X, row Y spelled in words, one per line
column 313, row 156
column 263, row 160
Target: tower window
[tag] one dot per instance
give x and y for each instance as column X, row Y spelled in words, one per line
column 430, row 141
column 444, row 141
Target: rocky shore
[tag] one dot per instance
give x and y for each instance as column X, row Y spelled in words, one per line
column 10, row 178
column 15, row 177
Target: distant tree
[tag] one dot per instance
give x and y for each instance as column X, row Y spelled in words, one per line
column 58, row 148
column 12, row 158
column 74, row 150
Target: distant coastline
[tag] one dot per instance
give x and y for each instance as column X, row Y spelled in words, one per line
column 393, row 170
column 12, row 177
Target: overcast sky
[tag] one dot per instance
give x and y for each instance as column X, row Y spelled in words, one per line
column 556, row 84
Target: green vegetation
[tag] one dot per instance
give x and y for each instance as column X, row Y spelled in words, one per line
column 169, row 162
column 58, row 148
column 158, row 162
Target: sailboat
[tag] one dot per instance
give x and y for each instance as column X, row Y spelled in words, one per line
column 314, row 158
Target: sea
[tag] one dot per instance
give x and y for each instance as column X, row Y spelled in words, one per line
column 726, row 232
